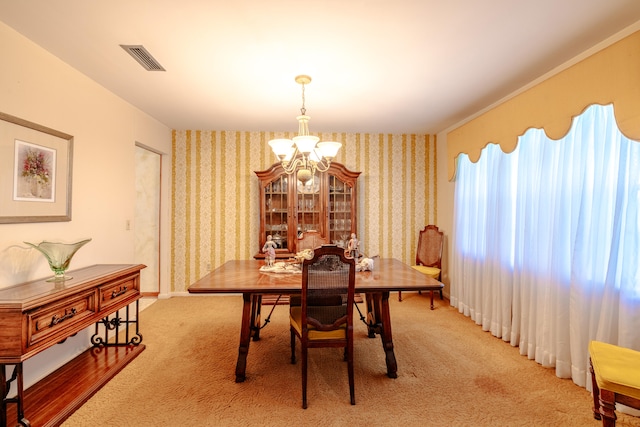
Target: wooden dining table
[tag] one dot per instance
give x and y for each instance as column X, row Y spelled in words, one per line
column 244, row 277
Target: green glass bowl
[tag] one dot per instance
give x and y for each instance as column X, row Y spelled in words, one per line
column 59, row 256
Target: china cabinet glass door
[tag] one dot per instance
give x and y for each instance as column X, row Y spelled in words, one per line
column 277, row 211
column 340, row 210
column 309, row 205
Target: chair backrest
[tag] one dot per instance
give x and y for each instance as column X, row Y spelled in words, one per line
column 310, row 240
column 328, row 287
column 429, row 251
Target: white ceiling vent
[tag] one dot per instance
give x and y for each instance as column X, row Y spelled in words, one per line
column 143, row 56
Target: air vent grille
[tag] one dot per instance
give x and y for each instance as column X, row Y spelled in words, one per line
column 143, row 56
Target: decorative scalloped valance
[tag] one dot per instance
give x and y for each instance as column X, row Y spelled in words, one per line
column 610, row 76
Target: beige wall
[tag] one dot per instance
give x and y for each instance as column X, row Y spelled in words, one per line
column 446, row 190
column 38, row 87
column 215, row 207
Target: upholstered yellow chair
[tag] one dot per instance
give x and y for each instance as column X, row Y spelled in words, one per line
column 325, row 316
column 429, row 255
column 615, row 378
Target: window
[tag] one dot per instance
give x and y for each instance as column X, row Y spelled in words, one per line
column 547, row 239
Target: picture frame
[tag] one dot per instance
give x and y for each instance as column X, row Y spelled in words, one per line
column 35, row 172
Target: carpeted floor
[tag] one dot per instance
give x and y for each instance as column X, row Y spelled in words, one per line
column 449, row 373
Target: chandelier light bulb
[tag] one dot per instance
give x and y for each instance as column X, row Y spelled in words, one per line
column 280, row 147
column 329, row 149
column 305, row 143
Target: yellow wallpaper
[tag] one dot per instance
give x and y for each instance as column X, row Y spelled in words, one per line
column 214, row 206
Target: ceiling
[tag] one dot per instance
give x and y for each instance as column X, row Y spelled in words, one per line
column 378, row 66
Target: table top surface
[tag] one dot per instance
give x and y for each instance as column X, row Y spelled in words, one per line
column 244, row 276
column 36, row 291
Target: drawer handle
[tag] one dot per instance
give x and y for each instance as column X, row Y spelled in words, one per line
column 120, row 292
column 55, row 319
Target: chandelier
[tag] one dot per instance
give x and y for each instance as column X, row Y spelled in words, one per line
column 304, row 153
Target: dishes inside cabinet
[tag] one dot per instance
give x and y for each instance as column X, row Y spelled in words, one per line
column 311, row 186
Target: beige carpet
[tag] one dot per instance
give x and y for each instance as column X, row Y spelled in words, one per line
column 449, row 373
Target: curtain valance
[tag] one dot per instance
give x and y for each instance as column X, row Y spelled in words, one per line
column 610, row 76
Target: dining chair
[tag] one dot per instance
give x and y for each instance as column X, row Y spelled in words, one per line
column 325, row 316
column 429, row 255
column 310, row 239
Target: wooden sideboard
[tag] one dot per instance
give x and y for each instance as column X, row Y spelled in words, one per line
column 37, row 315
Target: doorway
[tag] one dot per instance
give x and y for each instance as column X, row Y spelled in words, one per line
column 147, row 218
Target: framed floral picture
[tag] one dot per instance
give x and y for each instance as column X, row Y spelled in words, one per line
column 35, row 172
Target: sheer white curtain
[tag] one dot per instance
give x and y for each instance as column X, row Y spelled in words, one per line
column 546, row 242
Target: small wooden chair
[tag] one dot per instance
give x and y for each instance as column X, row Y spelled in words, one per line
column 429, row 255
column 615, row 378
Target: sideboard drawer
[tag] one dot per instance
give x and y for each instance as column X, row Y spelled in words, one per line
column 56, row 318
column 119, row 291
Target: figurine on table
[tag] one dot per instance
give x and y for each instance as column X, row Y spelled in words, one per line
column 352, row 247
column 269, row 250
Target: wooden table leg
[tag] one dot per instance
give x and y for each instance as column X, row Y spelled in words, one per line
column 256, row 308
column 387, row 339
column 245, row 338
column 372, row 325
column 379, row 321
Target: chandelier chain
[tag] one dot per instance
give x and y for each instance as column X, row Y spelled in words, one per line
column 303, row 110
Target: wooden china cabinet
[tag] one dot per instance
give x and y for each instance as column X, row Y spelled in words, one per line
column 288, row 208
